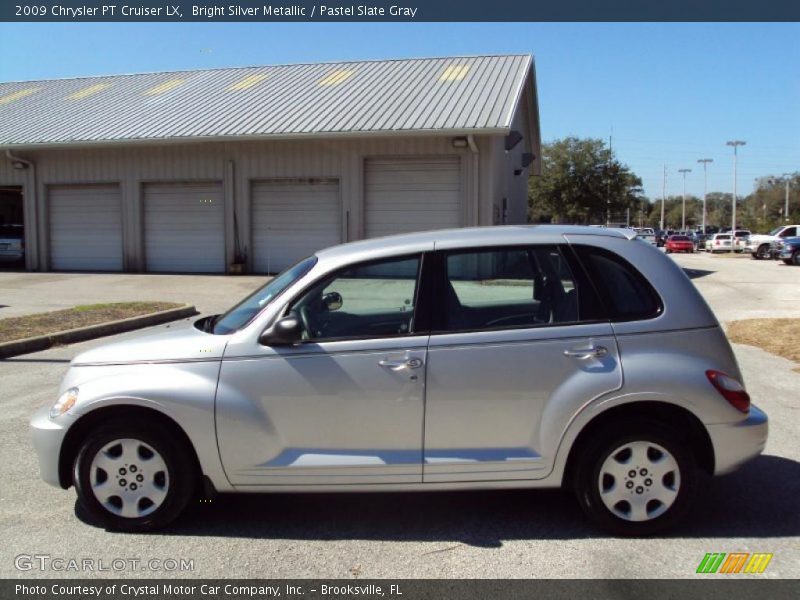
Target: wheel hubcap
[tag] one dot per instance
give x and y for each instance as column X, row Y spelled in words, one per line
column 129, row 478
column 639, row 481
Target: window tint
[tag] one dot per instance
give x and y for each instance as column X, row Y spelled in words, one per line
column 789, row 232
column 507, row 288
column 626, row 293
column 365, row 301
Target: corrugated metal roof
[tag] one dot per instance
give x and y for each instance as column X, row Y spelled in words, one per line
column 464, row 94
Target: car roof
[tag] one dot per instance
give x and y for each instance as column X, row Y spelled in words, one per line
column 469, row 236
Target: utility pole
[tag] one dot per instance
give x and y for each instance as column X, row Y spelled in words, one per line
column 663, row 198
column 788, row 178
column 735, row 144
column 683, row 210
column 608, row 182
column 704, row 162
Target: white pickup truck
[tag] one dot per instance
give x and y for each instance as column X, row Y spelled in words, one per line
column 758, row 245
column 647, row 234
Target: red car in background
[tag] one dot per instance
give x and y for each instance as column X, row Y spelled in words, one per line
column 679, row 243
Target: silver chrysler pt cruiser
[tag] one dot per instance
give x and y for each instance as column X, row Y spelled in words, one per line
column 498, row 357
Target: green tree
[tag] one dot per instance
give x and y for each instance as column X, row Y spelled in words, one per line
column 581, row 180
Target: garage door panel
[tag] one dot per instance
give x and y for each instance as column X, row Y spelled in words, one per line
column 184, row 227
column 85, row 227
column 292, row 219
column 411, row 194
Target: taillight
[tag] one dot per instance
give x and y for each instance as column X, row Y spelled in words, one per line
column 731, row 390
column 716, row 242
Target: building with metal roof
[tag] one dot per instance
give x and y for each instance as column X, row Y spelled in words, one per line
column 255, row 167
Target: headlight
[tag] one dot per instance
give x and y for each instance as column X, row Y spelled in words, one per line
column 788, row 247
column 64, row 403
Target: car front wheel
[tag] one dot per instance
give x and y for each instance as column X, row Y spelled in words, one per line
column 134, row 477
column 638, row 479
column 796, row 258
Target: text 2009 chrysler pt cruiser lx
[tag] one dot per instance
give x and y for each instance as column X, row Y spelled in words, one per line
column 510, row 357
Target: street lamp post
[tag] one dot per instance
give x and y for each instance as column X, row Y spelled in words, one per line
column 663, row 198
column 683, row 209
column 788, row 178
column 704, row 162
column 735, row 144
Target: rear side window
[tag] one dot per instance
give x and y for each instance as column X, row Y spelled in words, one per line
column 627, row 295
column 511, row 288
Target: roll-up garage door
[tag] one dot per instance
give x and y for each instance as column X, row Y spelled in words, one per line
column 85, row 227
column 293, row 218
column 411, row 194
column 184, row 227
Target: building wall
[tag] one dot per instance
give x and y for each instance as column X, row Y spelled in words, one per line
column 485, row 179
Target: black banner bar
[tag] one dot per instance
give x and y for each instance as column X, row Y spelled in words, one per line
column 729, row 588
column 400, row 11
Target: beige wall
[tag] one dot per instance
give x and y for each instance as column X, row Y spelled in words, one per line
column 487, row 177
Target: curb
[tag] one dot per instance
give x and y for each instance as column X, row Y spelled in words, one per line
column 81, row 334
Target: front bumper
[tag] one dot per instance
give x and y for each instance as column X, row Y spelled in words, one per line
column 736, row 443
column 785, row 254
column 47, row 436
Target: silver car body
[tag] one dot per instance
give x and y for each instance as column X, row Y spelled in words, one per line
column 486, row 409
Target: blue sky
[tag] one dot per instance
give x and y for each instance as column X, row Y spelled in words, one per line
column 670, row 93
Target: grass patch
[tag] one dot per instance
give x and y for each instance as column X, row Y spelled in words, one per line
column 18, row 328
column 776, row 336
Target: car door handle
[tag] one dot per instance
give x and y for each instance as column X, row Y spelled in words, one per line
column 400, row 365
column 584, row 353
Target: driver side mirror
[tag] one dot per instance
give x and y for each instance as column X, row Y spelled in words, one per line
column 287, row 330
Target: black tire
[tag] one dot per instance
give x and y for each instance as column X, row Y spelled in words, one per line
column 796, row 258
column 762, row 252
column 587, row 483
column 182, row 474
column 787, row 261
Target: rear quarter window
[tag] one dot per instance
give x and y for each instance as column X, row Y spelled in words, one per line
column 625, row 292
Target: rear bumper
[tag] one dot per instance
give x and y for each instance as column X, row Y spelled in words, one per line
column 736, row 443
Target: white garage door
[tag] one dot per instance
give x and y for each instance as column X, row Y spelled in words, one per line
column 85, row 224
column 293, row 218
column 184, row 227
column 411, row 194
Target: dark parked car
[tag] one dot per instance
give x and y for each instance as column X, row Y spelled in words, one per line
column 12, row 245
column 790, row 252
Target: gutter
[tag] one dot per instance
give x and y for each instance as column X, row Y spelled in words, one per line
column 476, row 164
column 31, row 261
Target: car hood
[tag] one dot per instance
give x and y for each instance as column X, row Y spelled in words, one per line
column 175, row 342
column 761, row 237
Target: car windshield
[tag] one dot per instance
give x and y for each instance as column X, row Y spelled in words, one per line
column 241, row 314
column 679, row 238
column 723, row 236
column 775, row 231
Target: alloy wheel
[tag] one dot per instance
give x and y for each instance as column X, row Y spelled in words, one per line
column 639, row 481
column 129, row 478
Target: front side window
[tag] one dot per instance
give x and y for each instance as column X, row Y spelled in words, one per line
column 506, row 288
column 371, row 300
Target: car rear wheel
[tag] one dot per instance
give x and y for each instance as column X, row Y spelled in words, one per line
column 134, row 477
column 636, row 479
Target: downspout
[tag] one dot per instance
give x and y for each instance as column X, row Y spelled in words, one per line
column 476, row 164
column 30, row 262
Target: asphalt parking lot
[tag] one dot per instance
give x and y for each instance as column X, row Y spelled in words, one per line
column 467, row 535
